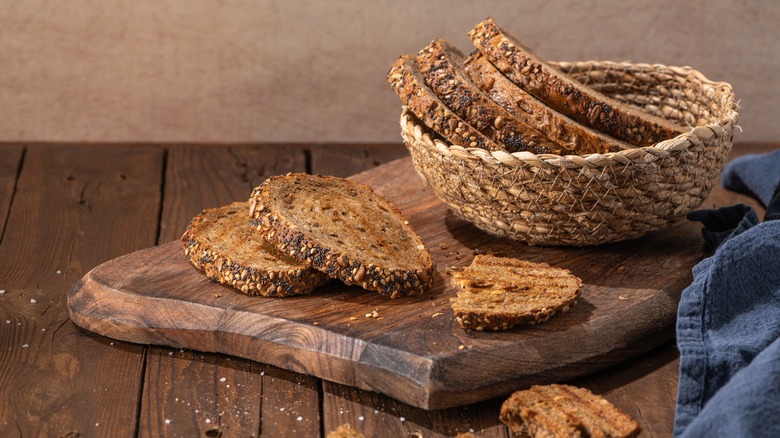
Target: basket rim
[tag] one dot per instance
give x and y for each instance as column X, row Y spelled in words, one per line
column 695, row 136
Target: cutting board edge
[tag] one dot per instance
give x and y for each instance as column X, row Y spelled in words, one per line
column 412, row 388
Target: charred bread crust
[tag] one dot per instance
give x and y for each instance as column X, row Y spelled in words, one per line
column 407, row 82
column 568, row 133
column 287, row 278
column 338, row 261
column 498, row 293
column 441, row 65
column 565, row 410
column 567, row 96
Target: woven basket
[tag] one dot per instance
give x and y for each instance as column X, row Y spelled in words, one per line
column 590, row 199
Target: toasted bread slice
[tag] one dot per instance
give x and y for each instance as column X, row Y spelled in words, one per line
column 497, row 293
column 344, row 229
column 409, row 85
column 568, row 133
column 345, row 431
column 567, row 96
column 565, row 411
column 441, row 64
column 222, row 243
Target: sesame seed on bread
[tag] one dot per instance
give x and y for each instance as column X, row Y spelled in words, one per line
column 344, row 229
column 222, row 243
column 498, row 293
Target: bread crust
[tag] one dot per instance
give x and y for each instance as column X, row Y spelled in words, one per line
column 568, row 133
column 409, row 273
column 565, row 410
column 442, row 67
column 583, row 104
column 407, row 82
column 270, row 273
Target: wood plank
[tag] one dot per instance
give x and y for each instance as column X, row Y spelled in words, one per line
column 349, row 159
column 199, row 177
column 431, row 370
column 204, row 394
column 56, row 378
column 370, row 412
column 10, row 159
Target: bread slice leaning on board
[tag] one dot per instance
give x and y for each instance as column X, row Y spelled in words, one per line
column 344, row 229
column 222, row 243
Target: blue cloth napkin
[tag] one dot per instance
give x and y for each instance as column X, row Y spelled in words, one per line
column 728, row 319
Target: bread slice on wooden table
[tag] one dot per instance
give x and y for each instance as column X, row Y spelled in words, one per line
column 343, row 228
column 407, row 82
column 345, row 431
column 498, row 293
column 222, row 243
column 567, row 96
column 568, row 133
column 565, row 411
column 442, row 67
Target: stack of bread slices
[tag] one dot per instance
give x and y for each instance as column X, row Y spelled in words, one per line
column 505, row 97
column 297, row 231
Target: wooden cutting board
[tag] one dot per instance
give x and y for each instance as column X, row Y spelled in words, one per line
column 413, row 350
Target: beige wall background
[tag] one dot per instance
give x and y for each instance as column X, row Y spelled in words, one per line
column 314, row 71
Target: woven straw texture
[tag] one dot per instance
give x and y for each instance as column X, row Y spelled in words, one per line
column 583, row 200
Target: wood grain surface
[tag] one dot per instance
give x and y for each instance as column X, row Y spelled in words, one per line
column 59, row 380
column 414, row 351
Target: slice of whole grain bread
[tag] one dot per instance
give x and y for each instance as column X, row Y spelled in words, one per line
column 222, row 243
column 498, row 293
column 565, row 411
column 343, row 229
column 442, row 67
column 567, row 96
column 407, row 82
column 570, row 134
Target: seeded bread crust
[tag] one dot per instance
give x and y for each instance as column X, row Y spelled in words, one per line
column 570, row 134
column 407, row 82
column 498, row 293
column 565, row 411
column 565, row 95
column 442, row 67
column 343, row 229
column 221, row 243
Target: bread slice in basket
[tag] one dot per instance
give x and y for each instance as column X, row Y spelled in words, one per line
column 568, row 133
column 567, row 96
column 565, row 411
column 407, row 82
column 344, row 229
column 442, row 67
column 222, row 243
column 498, row 293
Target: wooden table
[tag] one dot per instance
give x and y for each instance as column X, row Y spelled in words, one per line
column 65, row 209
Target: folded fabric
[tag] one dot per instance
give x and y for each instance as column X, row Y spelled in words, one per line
column 755, row 175
column 728, row 319
column 748, row 405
